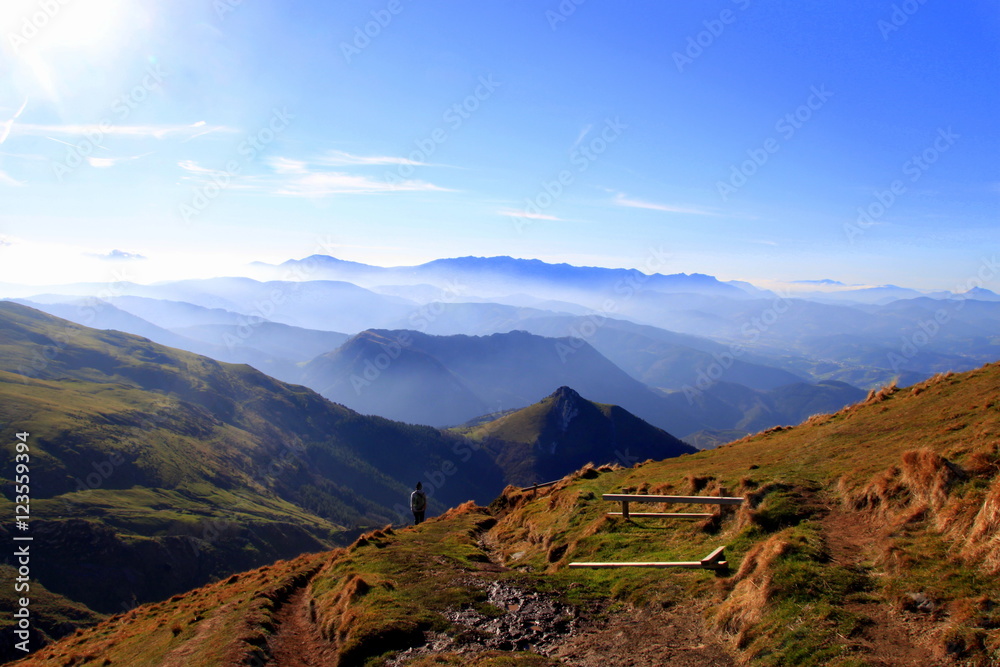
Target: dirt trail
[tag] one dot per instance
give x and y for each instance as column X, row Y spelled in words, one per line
column 895, row 637
column 645, row 638
column 297, row 641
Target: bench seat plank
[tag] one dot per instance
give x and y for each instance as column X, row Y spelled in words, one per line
column 707, row 500
column 689, row 564
column 672, row 515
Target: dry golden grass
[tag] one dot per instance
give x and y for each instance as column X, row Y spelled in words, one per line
column 983, row 543
column 745, row 605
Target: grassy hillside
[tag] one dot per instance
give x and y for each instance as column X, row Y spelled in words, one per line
column 174, row 468
column 869, row 537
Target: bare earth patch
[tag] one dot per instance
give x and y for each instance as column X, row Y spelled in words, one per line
column 297, row 641
column 895, row 637
column 650, row 637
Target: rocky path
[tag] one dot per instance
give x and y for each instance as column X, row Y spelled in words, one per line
column 516, row 618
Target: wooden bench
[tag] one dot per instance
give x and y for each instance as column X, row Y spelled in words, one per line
column 626, row 498
column 713, row 561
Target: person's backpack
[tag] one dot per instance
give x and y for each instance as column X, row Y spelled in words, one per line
column 419, row 502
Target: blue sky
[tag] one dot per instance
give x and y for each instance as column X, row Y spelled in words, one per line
column 743, row 139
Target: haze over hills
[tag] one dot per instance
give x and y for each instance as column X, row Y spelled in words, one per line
column 275, row 349
column 657, row 357
column 447, row 380
column 201, row 476
column 678, row 333
column 401, row 374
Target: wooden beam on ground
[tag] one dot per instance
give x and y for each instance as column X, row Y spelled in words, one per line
column 704, row 500
column 667, row 515
column 694, row 564
column 715, row 560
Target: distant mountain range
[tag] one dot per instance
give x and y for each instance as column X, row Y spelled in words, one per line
column 498, row 276
column 671, row 333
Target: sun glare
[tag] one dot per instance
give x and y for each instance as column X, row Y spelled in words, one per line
column 55, row 25
column 46, row 36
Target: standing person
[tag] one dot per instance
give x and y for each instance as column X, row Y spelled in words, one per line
column 418, row 504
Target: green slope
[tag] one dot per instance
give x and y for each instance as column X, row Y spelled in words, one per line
column 177, row 468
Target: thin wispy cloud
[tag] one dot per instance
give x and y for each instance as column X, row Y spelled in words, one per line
column 106, row 162
column 202, row 128
column 580, row 137
column 7, row 179
column 193, row 167
column 308, row 178
column 297, row 178
column 7, row 125
column 154, row 131
column 284, row 165
column 342, row 159
column 25, row 156
column 322, row 184
column 621, row 199
column 518, row 213
column 70, row 144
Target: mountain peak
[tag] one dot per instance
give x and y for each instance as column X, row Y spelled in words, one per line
column 567, row 430
column 565, row 393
